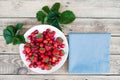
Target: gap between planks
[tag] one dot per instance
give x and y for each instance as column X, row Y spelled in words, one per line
column 12, row 64
column 79, row 25
column 57, row 77
column 10, row 49
column 82, row 8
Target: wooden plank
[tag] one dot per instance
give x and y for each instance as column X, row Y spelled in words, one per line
column 82, row 8
column 57, row 77
column 79, row 25
column 5, row 49
column 12, row 64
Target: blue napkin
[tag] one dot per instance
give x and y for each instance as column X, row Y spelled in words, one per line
column 89, row 53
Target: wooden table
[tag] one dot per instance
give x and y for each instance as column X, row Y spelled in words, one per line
column 92, row 16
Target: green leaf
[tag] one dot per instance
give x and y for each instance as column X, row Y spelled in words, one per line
column 16, row 41
column 67, row 17
column 11, row 34
column 53, row 16
column 56, row 24
column 55, row 7
column 11, row 29
column 19, row 26
column 21, row 38
column 40, row 16
column 7, row 36
column 46, row 9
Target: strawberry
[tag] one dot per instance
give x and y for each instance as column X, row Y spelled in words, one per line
column 45, row 41
column 41, row 44
column 42, row 65
column 51, row 34
column 39, row 37
column 55, row 45
column 36, row 32
column 30, row 65
column 48, row 67
column 62, row 53
column 63, row 45
column 55, row 52
column 45, row 59
column 48, row 47
column 54, row 58
column 26, row 45
column 42, row 50
column 48, row 30
column 59, row 40
column 27, row 49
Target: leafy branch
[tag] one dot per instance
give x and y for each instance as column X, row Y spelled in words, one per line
column 11, row 34
column 54, row 17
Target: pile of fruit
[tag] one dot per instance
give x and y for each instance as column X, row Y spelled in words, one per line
column 44, row 49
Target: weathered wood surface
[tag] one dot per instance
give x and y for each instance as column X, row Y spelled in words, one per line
column 82, row 8
column 92, row 16
column 79, row 25
column 5, row 49
column 57, row 77
column 12, row 64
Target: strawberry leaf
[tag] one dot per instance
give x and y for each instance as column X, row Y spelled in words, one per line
column 19, row 26
column 40, row 16
column 55, row 7
column 7, row 36
column 11, row 34
column 67, row 17
column 46, row 9
column 11, row 29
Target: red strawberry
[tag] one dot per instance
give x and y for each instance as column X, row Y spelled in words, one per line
column 48, row 47
column 41, row 44
column 42, row 65
column 63, row 45
column 55, row 52
column 36, row 31
column 51, row 34
column 26, row 45
column 30, row 65
column 45, row 41
column 28, row 50
column 54, row 58
column 42, row 50
column 62, row 53
column 45, row 59
column 39, row 37
column 48, row 30
column 48, row 67
column 55, row 45
column 59, row 40
column 34, row 65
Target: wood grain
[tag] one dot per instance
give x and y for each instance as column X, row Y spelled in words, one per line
column 12, row 64
column 79, row 25
column 82, row 8
column 5, row 49
column 57, row 77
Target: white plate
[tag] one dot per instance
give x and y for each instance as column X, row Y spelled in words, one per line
column 42, row 28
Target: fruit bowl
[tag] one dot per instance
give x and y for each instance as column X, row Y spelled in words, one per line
column 42, row 29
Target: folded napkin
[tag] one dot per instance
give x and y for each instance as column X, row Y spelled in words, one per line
column 89, row 53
